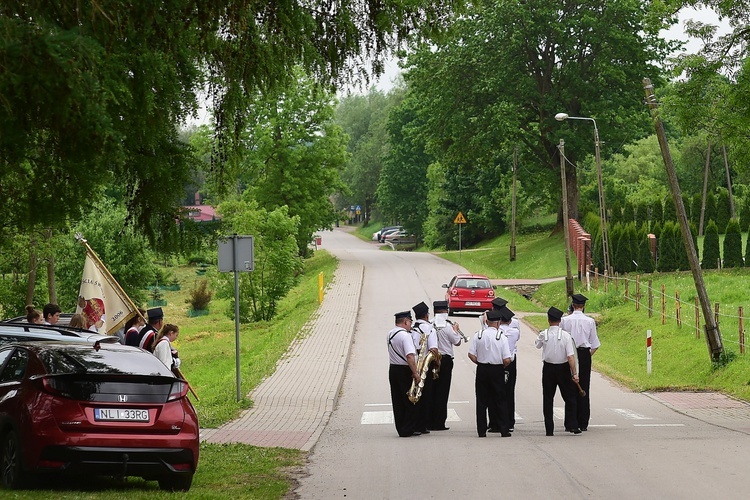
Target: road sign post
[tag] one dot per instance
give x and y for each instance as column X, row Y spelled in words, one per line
column 237, row 254
column 460, row 220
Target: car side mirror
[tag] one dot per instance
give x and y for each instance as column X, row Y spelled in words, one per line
column 494, row 287
column 445, row 285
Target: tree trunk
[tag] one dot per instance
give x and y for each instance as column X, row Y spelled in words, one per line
column 32, row 271
column 51, row 284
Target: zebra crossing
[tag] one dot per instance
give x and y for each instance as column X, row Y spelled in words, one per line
column 614, row 417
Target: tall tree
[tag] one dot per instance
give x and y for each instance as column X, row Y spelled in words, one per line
column 510, row 66
column 295, row 153
column 93, row 93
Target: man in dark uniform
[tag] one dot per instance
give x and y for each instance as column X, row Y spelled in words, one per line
column 489, row 351
column 148, row 333
column 558, row 370
column 447, row 337
column 583, row 330
column 423, row 328
column 402, row 371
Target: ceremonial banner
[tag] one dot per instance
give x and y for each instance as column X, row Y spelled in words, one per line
column 101, row 300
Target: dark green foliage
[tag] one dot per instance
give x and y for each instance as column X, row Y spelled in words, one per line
column 711, row 255
column 657, row 211
column 670, row 212
column 745, row 216
column 628, row 213
column 667, row 257
column 615, row 214
column 643, row 213
column 696, row 202
column 656, row 230
column 733, row 245
column 723, row 209
column 617, row 247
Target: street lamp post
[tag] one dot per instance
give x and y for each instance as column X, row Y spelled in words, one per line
column 602, row 207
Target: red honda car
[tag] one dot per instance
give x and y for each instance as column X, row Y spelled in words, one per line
column 469, row 292
column 103, row 409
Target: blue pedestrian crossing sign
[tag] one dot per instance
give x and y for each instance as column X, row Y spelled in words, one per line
column 460, row 219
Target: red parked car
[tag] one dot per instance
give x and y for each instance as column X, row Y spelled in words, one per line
column 469, row 292
column 103, row 409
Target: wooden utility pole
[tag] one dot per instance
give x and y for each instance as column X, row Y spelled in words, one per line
column 569, row 275
column 705, row 189
column 729, row 181
column 513, row 209
column 713, row 336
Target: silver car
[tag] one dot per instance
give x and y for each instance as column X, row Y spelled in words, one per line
column 11, row 331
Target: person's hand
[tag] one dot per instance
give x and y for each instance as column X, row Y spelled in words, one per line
column 176, row 362
column 575, row 378
column 416, row 377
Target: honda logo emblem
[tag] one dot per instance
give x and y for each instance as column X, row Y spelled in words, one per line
column 122, row 398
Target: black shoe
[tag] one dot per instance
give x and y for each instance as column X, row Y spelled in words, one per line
column 416, row 433
column 550, row 434
column 576, row 431
column 440, row 428
column 506, row 434
column 493, row 430
column 483, row 435
column 424, row 431
column 584, row 429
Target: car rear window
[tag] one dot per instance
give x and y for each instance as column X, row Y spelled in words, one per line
column 91, row 361
column 473, row 283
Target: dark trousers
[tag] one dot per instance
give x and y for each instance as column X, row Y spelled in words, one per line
column 510, row 398
column 490, row 392
column 405, row 414
column 554, row 376
column 440, row 393
column 510, row 392
column 424, row 405
column 584, row 378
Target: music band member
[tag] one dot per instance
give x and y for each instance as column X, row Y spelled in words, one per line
column 489, row 351
column 583, row 330
column 513, row 334
column 447, row 337
column 423, row 328
column 401, row 373
column 558, row 370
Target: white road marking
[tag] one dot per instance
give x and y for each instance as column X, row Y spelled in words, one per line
column 658, row 425
column 386, row 417
column 629, row 414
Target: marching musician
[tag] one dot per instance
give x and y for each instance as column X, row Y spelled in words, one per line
column 423, row 328
column 583, row 330
column 511, row 333
column 558, row 370
column 447, row 336
column 489, row 351
column 497, row 304
column 402, row 371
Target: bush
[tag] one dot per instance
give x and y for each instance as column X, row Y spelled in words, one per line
column 733, row 245
column 200, row 296
column 711, row 254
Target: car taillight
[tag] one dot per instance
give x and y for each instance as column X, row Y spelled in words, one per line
column 491, row 293
column 54, row 386
column 179, row 390
column 454, row 292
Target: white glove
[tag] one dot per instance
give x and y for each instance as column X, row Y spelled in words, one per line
column 176, row 362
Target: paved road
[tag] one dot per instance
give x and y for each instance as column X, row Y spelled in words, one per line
column 638, row 445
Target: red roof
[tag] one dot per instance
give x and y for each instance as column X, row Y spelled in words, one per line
column 201, row 213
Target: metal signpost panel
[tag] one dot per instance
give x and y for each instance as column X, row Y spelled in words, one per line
column 237, row 254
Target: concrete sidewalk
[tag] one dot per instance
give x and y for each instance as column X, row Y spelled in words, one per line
column 292, row 406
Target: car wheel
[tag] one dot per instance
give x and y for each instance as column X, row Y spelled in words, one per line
column 176, row 482
column 11, row 465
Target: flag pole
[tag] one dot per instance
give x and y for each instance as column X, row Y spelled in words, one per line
column 123, row 295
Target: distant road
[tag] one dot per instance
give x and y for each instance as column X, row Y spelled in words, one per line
column 636, row 446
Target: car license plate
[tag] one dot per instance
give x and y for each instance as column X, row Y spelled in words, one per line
column 474, row 304
column 120, row 415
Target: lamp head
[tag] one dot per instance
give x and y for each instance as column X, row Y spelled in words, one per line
column 561, row 116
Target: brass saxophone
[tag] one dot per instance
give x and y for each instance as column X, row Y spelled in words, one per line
column 426, row 358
